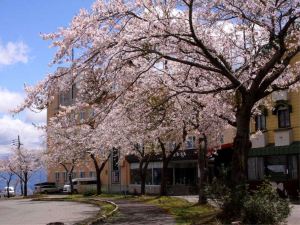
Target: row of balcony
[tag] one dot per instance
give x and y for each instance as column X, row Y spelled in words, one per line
column 282, row 138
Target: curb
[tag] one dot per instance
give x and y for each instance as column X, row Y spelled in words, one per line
column 103, row 217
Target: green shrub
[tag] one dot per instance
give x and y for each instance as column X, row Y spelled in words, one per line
column 265, row 206
column 89, row 193
column 218, row 192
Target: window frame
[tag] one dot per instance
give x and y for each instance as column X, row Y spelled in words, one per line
column 285, row 111
column 260, row 122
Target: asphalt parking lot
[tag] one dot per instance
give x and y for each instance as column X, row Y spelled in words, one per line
column 27, row 212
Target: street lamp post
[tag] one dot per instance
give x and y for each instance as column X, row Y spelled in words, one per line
column 202, row 152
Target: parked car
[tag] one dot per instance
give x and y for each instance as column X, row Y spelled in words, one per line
column 11, row 191
column 45, row 188
column 81, row 185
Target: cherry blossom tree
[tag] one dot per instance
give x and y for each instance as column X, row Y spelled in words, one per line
column 98, row 151
column 65, row 147
column 24, row 163
column 75, row 134
column 244, row 51
column 6, row 174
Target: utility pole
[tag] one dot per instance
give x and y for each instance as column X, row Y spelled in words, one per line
column 18, row 144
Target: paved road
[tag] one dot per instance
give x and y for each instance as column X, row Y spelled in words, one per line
column 26, row 212
column 138, row 213
column 294, row 218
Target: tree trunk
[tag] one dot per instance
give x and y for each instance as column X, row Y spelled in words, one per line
column 25, row 183
column 7, row 190
column 71, row 183
column 99, row 184
column 99, row 171
column 21, row 185
column 202, row 171
column 143, row 167
column 143, row 184
column 143, row 177
column 163, row 184
column 241, row 146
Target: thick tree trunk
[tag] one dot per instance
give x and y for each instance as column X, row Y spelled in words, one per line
column 71, row 183
column 143, row 167
column 99, row 171
column 99, row 184
column 143, row 184
column 143, row 177
column 98, row 175
column 163, row 184
column 21, row 185
column 202, row 171
column 7, row 190
column 241, row 146
column 25, row 183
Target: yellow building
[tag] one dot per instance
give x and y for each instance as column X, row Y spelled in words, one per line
column 275, row 152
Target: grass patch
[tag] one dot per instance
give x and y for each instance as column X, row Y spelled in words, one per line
column 185, row 213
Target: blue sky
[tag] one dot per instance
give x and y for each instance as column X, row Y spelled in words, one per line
column 24, row 58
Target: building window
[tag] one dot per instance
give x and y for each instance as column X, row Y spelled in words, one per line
column 283, row 114
column 277, row 167
column 61, row 99
column 260, row 122
column 82, row 174
column 82, row 115
column 135, row 177
column 73, row 91
column 64, row 98
column 74, row 175
column 186, row 176
column 293, row 167
column 115, row 178
column 92, row 174
column 65, row 176
column 115, row 166
column 156, row 176
column 256, row 168
column 57, row 177
column 191, row 142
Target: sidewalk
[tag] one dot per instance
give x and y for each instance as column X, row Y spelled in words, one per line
column 138, row 213
column 294, row 218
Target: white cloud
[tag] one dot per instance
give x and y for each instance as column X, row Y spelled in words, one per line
column 21, row 124
column 35, row 117
column 31, row 137
column 9, row 100
column 13, row 52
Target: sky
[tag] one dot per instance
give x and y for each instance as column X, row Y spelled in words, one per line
column 25, row 59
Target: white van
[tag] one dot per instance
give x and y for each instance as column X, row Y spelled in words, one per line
column 81, row 185
column 11, row 191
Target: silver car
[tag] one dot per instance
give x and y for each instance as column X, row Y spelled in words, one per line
column 45, row 188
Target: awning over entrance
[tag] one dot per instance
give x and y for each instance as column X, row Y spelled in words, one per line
column 293, row 148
